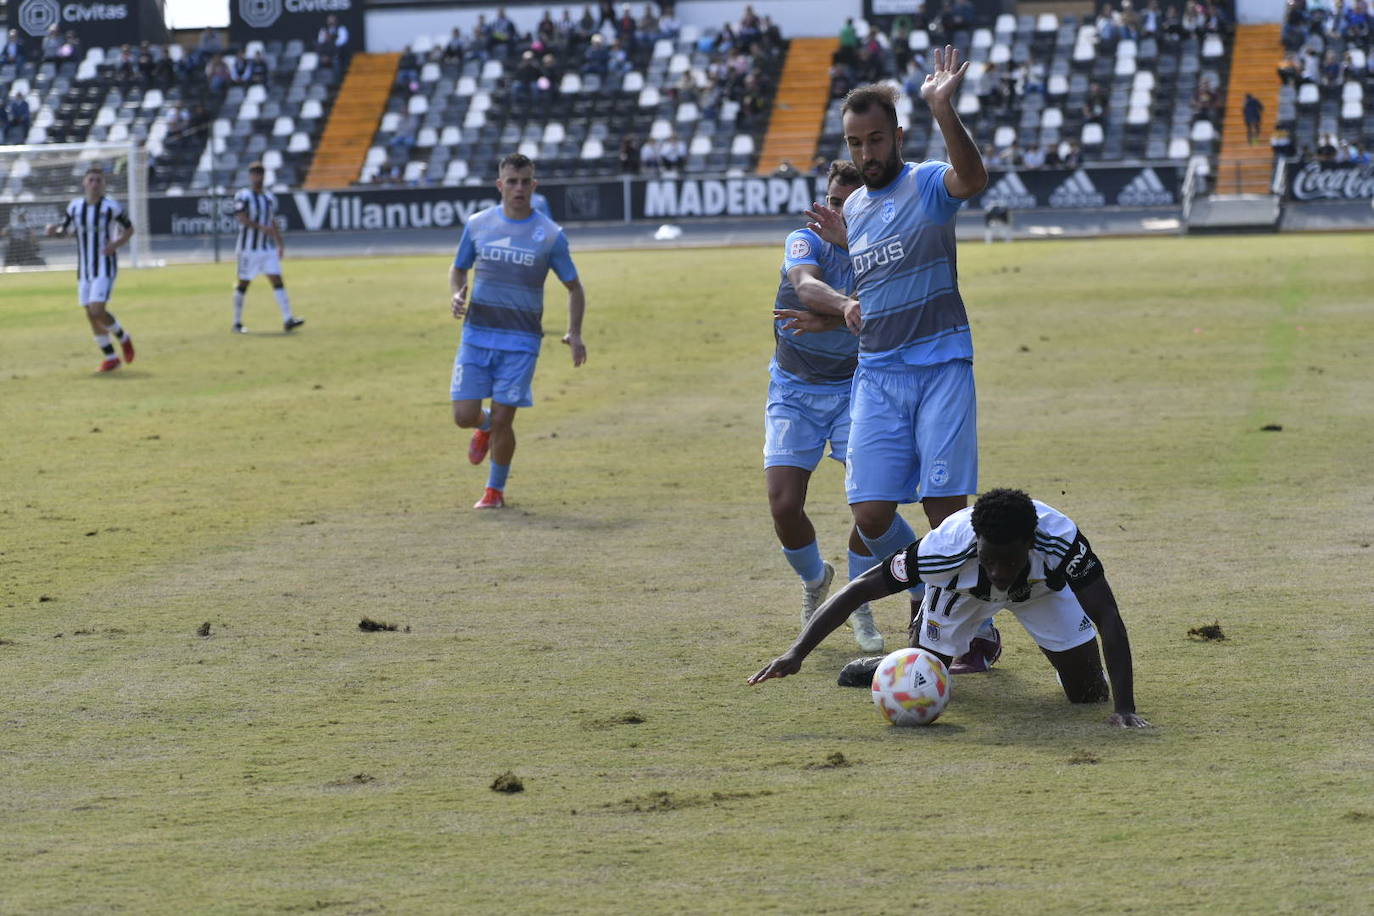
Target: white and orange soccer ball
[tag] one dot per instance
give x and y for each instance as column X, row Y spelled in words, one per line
column 911, row 687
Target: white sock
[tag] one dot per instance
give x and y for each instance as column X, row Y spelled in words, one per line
column 103, row 342
column 283, row 302
column 238, row 306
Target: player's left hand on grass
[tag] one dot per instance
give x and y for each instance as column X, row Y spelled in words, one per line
column 782, row 666
column 1127, row 720
column 828, row 223
column 579, row 349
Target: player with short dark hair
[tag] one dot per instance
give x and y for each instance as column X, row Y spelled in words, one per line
column 913, row 433
column 260, row 247
column 513, row 247
column 808, row 402
column 1007, row 551
column 91, row 219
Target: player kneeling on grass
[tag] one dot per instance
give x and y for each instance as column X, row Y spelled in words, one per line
column 1007, row 551
column 92, row 219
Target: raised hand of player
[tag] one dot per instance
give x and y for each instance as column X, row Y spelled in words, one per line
column 782, row 666
column 579, row 349
column 1127, row 720
column 943, row 81
column 460, row 301
column 828, row 223
column 803, row 321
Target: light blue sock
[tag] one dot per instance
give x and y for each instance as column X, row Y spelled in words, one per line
column 486, row 419
column 860, row 564
column 496, row 475
column 985, row 629
column 807, row 562
column 896, row 538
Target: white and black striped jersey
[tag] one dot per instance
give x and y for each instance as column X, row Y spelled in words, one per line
column 946, row 559
column 94, row 224
column 261, row 207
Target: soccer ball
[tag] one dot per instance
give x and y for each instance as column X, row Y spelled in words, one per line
column 911, row 687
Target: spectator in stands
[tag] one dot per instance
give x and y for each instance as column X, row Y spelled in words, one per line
column 672, row 153
column 649, row 159
column 912, row 80
column 125, row 63
column 668, row 24
column 597, row 60
column 629, row 154
column 403, row 141
column 253, row 70
column 208, row 46
column 849, row 43
column 13, row 52
column 456, row 49
column 523, row 81
column 1033, row 157
column 605, row 13
column 1206, row 101
column 546, row 32
column 503, row 35
column 1294, row 31
column 20, row 118
column 1072, row 157
column 820, row 167
column 1194, row 20
column 958, row 16
column 1281, row 142
column 786, row 169
column 408, row 70
column 1171, row 27
column 1129, row 20
column 1253, row 110
column 1095, row 103
column 52, row 44
column 332, row 43
column 1331, row 73
column 753, row 103
column 619, row 59
column 1151, row 20
column 1290, row 70
column 217, row 75
column 1106, row 25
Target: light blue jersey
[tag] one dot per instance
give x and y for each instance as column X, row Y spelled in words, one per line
column 512, row 257
column 901, row 246
column 821, row 363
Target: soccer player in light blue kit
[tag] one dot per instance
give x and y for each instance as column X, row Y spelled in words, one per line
column 913, row 410
column 808, row 402
column 513, row 248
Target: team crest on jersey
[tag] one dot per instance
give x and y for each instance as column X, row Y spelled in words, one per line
column 899, row 567
column 939, row 473
column 538, row 236
column 932, row 630
column 800, row 248
column 889, row 212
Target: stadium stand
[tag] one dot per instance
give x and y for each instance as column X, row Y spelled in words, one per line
column 571, row 96
column 1047, row 90
column 1325, row 97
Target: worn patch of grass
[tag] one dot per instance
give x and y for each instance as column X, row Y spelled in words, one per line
column 272, row 491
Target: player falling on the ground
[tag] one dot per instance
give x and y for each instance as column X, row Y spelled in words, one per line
column 808, row 403
column 913, row 409
column 260, row 247
column 1007, row 551
column 92, row 220
column 513, row 248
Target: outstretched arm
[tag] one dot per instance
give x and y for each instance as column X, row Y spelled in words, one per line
column 1100, row 605
column 871, row 586
column 968, row 175
column 817, row 295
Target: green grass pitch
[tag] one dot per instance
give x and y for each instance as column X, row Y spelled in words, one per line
column 594, row 638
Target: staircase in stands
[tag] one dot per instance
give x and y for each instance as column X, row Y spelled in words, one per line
column 353, row 121
column 1243, row 168
column 794, row 127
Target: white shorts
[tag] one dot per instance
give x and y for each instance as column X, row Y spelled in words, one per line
column 99, row 289
column 252, row 263
column 1055, row 620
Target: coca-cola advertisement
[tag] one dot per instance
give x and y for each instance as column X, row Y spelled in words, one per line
column 1331, row 181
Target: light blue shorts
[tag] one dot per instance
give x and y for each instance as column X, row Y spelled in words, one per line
column 797, row 424
column 913, row 433
column 502, row 375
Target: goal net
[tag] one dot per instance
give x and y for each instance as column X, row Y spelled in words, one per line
column 36, row 184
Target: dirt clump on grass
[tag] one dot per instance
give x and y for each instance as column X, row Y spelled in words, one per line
column 368, row 625
column 1208, row 631
column 673, row 801
column 1082, row 757
column 625, row 718
column 508, row 782
column 834, row 761
column 204, row 629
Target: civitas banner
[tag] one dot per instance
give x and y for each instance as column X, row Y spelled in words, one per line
column 1331, row 181
column 101, row 24
column 284, row 20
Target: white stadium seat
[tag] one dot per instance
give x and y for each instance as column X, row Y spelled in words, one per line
column 283, row 127
column 1202, row 132
column 299, row 142
column 418, row 104
column 450, row 136
column 428, row 137
column 312, row 110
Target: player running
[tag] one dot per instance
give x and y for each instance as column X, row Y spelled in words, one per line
column 260, row 247
column 1007, row 551
column 913, row 409
column 92, row 219
column 808, row 402
column 513, row 248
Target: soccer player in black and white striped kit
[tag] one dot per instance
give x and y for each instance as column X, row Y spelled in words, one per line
column 260, row 247
column 93, row 219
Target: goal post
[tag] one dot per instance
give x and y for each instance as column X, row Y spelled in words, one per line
column 38, row 181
